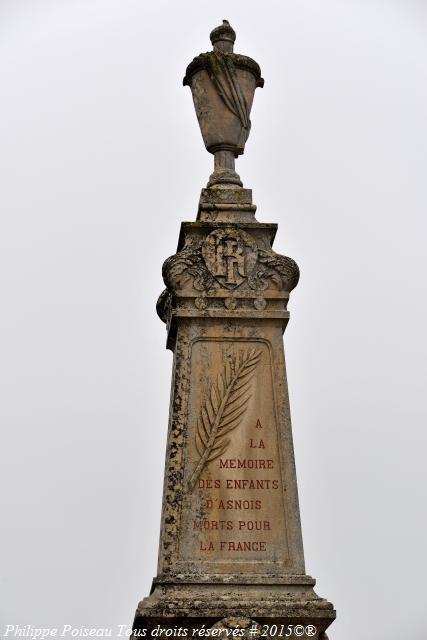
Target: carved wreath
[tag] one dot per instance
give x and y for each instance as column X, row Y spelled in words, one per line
column 189, row 264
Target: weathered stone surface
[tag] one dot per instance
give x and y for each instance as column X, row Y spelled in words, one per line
column 230, row 545
column 223, row 84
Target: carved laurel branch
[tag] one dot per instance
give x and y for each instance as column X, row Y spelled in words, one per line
column 184, row 264
column 224, row 408
column 282, row 270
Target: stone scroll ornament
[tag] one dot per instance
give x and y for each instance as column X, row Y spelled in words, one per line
column 223, row 409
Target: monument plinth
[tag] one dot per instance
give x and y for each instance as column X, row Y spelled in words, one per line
column 231, row 551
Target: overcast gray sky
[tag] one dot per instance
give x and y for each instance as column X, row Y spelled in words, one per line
column 101, row 158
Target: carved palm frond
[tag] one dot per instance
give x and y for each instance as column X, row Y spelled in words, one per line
column 224, row 408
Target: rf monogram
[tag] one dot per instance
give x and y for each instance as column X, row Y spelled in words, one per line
column 230, row 260
column 230, row 256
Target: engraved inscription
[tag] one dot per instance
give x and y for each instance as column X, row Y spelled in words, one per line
column 234, row 506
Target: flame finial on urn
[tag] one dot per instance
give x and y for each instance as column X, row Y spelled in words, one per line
column 223, row 84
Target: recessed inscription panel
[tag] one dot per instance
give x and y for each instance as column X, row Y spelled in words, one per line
column 233, row 507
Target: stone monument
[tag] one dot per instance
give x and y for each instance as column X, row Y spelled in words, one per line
column 231, row 552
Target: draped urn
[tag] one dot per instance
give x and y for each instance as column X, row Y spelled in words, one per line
column 223, row 85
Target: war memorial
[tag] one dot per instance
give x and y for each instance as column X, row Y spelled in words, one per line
column 231, row 555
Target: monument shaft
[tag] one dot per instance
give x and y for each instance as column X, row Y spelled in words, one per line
column 231, row 548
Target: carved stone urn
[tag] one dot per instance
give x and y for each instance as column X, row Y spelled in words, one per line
column 223, row 85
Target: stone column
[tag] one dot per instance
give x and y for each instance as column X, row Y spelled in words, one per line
column 231, row 551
